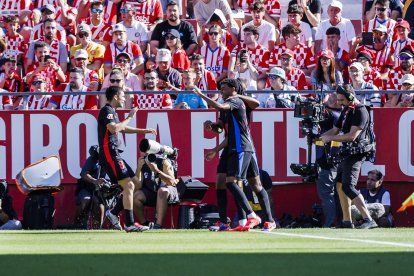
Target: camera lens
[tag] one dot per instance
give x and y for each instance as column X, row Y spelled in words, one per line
column 151, row 157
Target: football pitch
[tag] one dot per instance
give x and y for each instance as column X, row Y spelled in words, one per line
column 200, row 252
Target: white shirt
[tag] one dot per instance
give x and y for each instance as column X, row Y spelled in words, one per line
column 137, row 32
column 267, row 33
column 347, row 33
column 246, row 75
column 131, row 81
column 267, row 100
column 306, row 34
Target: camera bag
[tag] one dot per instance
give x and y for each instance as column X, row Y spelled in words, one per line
column 39, row 209
column 191, row 189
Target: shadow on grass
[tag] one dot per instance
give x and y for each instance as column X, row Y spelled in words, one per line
column 209, row 264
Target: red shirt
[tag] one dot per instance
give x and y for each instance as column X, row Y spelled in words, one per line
column 380, row 58
column 146, row 12
column 259, row 56
column 180, row 60
column 303, row 58
column 207, row 82
column 374, row 77
column 48, row 74
column 112, row 51
column 152, row 101
column 100, row 33
column 394, row 78
column 216, row 60
column 297, row 79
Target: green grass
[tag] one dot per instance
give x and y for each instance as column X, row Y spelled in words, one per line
column 200, row 252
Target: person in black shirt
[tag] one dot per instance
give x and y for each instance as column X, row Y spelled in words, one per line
column 312, row 9
column 242, row 162
column 188, row 36
column 109, row 127
column 8, row 216
column 353, row 123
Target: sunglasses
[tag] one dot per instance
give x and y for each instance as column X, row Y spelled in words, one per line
column 37, row 82
column 115, row 81
column 286, row 58
column 213, row 33
column 272, row 77
column 123, row 10
column 362, row 60
column 82, row 35
column 95, row 10
column 377, row 33
column 381, row 9
column 123, row 61
column 404, row 58
column 170, row 37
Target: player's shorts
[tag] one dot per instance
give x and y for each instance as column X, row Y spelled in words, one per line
column 117, row 169
column 151, row 196
column 242, row 164
column 222, row 165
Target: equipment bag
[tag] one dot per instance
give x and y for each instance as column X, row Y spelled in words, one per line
column 39, row 209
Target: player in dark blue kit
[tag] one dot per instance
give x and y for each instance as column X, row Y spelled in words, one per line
column 109, row 127
column 242, row 162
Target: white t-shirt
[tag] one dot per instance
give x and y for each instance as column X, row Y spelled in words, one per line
column 266, row 32
column 306, row 34
column 137, row 32
column 347, row 33
column 246, row 75
column 131, row 81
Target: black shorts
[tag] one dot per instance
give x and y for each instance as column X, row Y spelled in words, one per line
column 222, row 165
column 151, row 196
column 242, row 165
column 117, row 169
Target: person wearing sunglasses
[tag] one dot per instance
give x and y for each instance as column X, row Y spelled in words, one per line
column 402, row 29
column 179, row 59
column 136, row 31
column 94, row 50
column 382, row 8
column 80, row 60
column 101, row 31
column 395, row 9
column 406, row 67
column 81, row 101
column 120, row 45
column 36, row 102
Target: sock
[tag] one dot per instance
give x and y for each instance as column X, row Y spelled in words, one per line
column 265, row 205
column 252, row 215
column 242, row 222
column 222, row 205
column 240, row 213
column 119, row 206
column 129, row 217
column 239, row 196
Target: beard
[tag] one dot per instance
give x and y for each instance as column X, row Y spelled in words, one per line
column 73, row 86
column 172, row 18
column 405, row 66
column 49, row 36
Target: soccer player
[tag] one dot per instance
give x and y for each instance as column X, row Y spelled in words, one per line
column 242, row 162
column 109, row 127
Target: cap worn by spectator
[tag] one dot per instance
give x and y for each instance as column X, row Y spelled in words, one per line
column 336, row 4
column 172, row 32
column 365, row 54
column 124, row 54
column 163, row 55
column 402, row 23
column 326, row 53
column 126, row 8
column 96, row 1
column 381, row 28
column 81, row 53
column 277, row 71
column 119, row 28
column 357, row 65
column 48, row 7
column 288, row 52
column 38, row 77
column 83, row 28
column 407, row 78
column 407, row 51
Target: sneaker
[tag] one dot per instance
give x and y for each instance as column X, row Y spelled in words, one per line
column 219, row 226
column 345, row 224
column 368, row 224
column 136, row 227
column 114, row 220
column 154, row 226
column 269, row 226
column 252, row 222
column 239, row 229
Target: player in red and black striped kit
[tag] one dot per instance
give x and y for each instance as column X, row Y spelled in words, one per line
column 109, row 127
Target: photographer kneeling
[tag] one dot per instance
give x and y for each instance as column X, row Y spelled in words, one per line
column 8, row 216
column 158, row 181
column 354, row 124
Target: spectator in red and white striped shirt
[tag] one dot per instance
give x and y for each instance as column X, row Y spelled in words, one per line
column 91, row 78
column 9, row 79
column 148, row 12
column 36, row 102
column 14, row 41
column 48, row 12
column 402, row 28
column 101, row 32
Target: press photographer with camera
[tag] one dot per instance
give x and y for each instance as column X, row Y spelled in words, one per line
column 87, row 201
column 8, row 216
column 352, row 129
column 157, row 175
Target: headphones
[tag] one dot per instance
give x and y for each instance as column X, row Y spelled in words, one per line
column 346, row 91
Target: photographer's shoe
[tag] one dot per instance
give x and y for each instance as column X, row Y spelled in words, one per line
column 368, row 224
column 136, row 227
column 114, row 220
column 269, row 226
column 252, row 222
column 219, row 226
column 345, row 224
column 154, row 226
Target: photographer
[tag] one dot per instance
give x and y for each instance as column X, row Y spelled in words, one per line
column 8, row 217
column 158, row 188
column 353, row 123
column 92, row 178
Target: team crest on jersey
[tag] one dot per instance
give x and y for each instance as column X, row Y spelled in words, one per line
column 220, row 58
column 93, row 52
column 110, row 116
column 137, row 34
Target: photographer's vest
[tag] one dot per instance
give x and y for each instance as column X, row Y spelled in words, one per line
column 377, row 198
column 149, row 179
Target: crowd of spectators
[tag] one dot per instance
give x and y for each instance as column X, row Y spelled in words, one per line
column 159, row 45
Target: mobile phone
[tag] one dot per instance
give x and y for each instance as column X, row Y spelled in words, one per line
column 367, row 38
column 46, row 58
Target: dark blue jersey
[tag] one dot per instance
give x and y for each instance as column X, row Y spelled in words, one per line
column 108, row 142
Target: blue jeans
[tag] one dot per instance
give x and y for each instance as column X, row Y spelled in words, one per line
column 325, row 185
